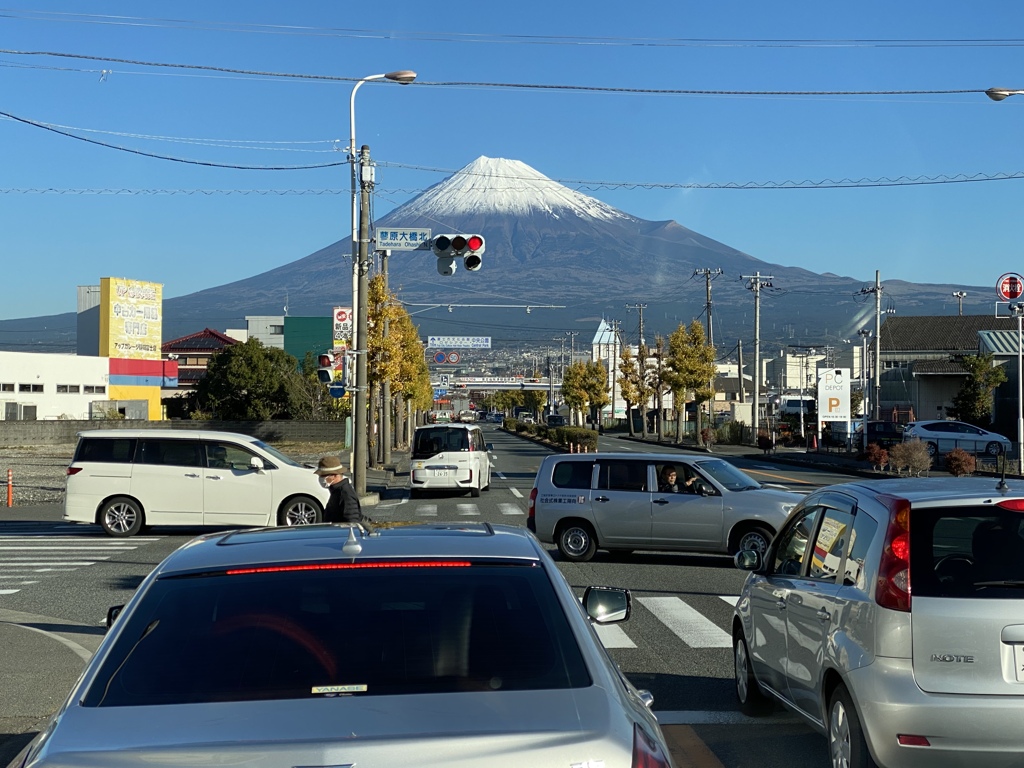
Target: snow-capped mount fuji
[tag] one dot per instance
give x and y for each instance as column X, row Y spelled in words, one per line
column 491, row 185
column 548, row 244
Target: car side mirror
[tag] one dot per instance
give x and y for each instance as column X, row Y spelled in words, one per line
column 607, row 605
column 112, row 613
column 256, row 463
column 704, row 489
column 748, row 560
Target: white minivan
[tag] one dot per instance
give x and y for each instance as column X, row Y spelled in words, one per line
column 449, row 456
column 123, row 479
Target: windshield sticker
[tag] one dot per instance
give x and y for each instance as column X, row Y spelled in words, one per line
column 562, row 500
column 339, row 689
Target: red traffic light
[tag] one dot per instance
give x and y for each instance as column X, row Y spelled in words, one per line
column 473, row 242
column 325, row 361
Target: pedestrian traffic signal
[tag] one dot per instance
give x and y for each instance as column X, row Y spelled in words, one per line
column 447, row 248
column 325, row 367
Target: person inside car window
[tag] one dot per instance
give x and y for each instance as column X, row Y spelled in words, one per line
column 667, row 481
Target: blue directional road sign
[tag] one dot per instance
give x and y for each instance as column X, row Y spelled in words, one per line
column 439, row 393
column 337, row 390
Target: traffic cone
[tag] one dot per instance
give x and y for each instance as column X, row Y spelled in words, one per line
column 814, row 442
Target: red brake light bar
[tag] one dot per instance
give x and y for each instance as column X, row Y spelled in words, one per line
column 1015, row 505
column 350, row 566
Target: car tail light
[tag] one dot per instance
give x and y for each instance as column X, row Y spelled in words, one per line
column 349, row 566
column 1014, row 505
column 531, row 512
column 647, row 753
column 73, row 471
column 893, row 587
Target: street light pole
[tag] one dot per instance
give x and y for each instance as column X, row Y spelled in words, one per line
column 865, row 334
column 959, row 296
column 360, row 256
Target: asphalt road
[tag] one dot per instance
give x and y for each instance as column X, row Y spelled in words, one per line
column 57, row 582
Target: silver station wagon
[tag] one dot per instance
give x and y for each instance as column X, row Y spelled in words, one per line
column 890, row 615
column 584, row 502
column 326, row 645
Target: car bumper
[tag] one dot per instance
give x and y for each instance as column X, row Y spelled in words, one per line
column 430, row 479
column 961, row 729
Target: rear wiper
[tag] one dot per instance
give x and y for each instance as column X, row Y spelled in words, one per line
column 1007, row 583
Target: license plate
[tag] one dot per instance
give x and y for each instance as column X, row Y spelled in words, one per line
column 441, row 473
column 1018, row 661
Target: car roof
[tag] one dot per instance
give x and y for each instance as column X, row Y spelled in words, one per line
column 324, row 543
column 670, row 458
column 453, row 425
column 184, row 434
column 922, row 490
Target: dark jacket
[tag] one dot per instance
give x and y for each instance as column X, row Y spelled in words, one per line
column 343, row 506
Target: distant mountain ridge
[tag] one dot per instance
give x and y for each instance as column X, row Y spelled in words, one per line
column 546, row 244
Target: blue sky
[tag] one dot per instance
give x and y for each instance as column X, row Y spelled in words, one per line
column 199, row 236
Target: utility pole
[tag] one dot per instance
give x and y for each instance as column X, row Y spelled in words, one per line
column 640, row 308
column 877, row 290
column 739, row 347
column 613, row 363
column 385, row 418
column 757, row 282
column 561, row 355
column 362, row 390
column 709, row 275
column 572, row 345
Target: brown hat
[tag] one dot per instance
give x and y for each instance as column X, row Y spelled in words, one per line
column 329, row 465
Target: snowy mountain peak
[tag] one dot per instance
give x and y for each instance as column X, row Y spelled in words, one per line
column 496, row 185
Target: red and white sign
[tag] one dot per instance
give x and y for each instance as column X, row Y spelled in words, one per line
column 342, row 326
column 1010, row 286
column 453, row 357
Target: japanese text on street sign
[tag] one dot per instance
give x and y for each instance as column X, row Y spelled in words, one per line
column 459, row 342
column 834, row 394
column 402, row 239
column 342, row 326
column 1010, row 286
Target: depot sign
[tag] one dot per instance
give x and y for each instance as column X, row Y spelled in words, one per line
column 834, row 394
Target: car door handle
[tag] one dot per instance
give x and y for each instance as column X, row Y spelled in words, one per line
column 780, row 604
column 823, row 614
column 191, row 474
column 213, row 477
column 601, row 498
column 660, row 501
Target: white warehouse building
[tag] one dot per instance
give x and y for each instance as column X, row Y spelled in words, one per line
column 36, row 386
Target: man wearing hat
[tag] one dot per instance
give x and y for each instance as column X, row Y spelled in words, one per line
column 343, row 505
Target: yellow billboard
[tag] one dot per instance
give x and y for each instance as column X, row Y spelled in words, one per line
column 131, row 319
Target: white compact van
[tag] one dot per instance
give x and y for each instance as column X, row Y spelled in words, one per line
column 123, row 479
column 449, row 456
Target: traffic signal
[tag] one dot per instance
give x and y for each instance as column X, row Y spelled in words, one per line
column 325, row 367
column 447, row 248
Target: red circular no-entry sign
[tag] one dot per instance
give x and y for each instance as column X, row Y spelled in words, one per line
column 1010, row 286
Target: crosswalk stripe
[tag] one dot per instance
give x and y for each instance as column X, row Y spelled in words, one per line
column 731, row 599
column 427, row 510
column 47, row 563
column 510, row 509
column 79, row 548
column 613, row 636
column 516, row 493
column 9, row 591
column 692, row 627
column 467, row 510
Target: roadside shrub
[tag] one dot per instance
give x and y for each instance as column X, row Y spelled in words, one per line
column 509, row 424
column 877, row 456
column 959, row 462
column 911, row 456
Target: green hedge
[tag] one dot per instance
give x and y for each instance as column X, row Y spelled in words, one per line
column 579, row 437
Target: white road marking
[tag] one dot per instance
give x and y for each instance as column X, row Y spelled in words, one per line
column 510, row 509
column 731, row 599
column 501, row 475
column 427, row 510
column 467, row 510
column 613, row 636
column 79, row 548
column 9, row 591
column 688, row 624
column 516, row 493
column 46, row 563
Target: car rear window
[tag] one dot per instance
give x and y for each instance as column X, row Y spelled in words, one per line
column 113, row 450
column 967, row 551
column 430, row 441
column 573, row 474
column 371, row 631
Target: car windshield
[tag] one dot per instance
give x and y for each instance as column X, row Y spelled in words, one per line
column 277, row 454
column 728, row 476
column 404, row 628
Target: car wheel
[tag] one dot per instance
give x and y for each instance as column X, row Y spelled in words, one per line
column 932, row 448
column 121, row 517
column 847, row 747
column 756, row 537
column 415, row 493
column 474, row 492
column 576, row 542
column 302, row 510
column 994, row 448
column 752, row 699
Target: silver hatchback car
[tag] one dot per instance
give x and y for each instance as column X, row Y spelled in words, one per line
column 325, row 645
column 890, row 616
column 586, row 501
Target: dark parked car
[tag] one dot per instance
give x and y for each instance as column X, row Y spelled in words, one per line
column 884, row 433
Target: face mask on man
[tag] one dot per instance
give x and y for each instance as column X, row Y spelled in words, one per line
column 324, row 483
